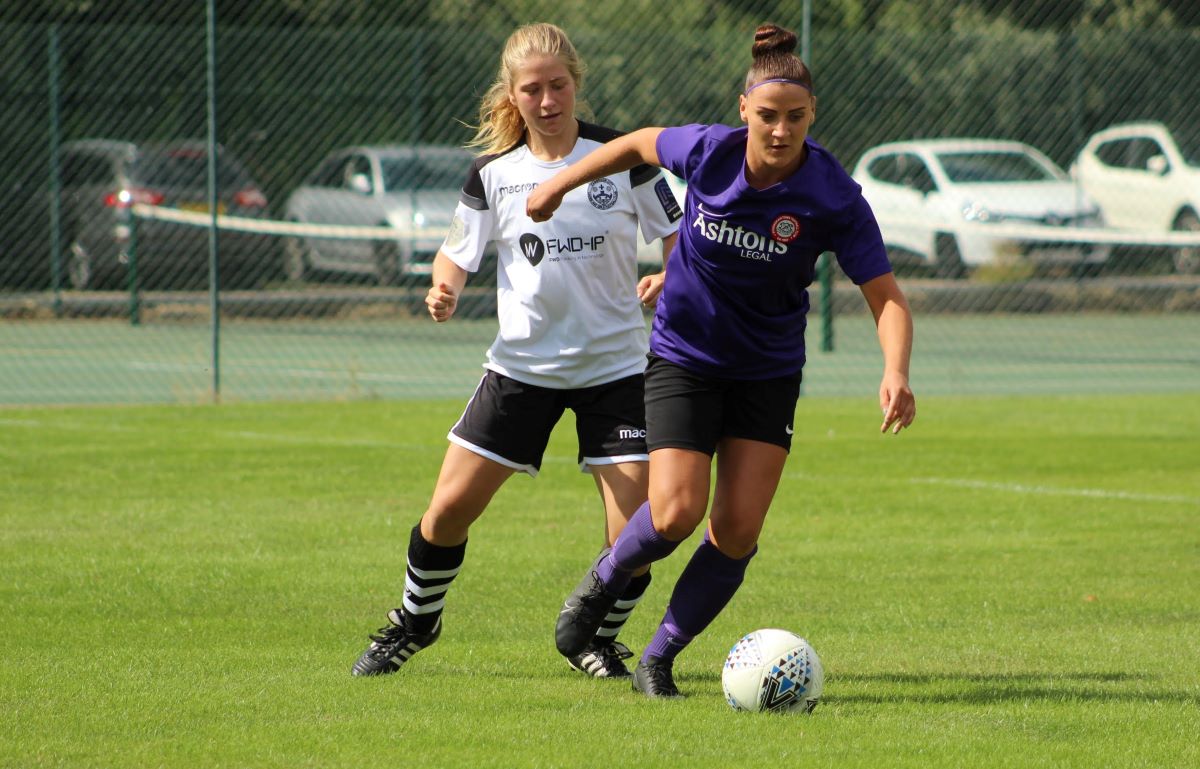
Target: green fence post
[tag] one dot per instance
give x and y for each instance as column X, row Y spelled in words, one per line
column 55, row 188
column 135, row 308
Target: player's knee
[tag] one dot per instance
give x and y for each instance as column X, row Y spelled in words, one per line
column 676, row 522
column 446, row 525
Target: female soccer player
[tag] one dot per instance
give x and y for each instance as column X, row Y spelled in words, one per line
column 727, row 343
column 572, row 334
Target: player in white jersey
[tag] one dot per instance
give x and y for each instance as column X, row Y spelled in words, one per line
column 572, row 334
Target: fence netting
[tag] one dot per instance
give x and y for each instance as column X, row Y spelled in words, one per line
column 1035, row 167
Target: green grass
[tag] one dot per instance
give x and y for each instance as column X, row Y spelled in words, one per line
column 1013, row 583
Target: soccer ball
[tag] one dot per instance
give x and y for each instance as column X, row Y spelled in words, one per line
column 772, row 670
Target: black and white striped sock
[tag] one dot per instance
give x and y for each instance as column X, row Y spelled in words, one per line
column 622, row 609
column 431, row 569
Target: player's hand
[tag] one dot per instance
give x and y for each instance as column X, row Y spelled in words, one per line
column 441, row 301
column 542, row 202
column 898, row 403
column 649, row 288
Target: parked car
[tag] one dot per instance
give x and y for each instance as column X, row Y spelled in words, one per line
column 933, row 197
column 101, row 179
column 1145, row 177
column 410, row 187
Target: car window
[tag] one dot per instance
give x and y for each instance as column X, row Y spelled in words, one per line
column 905, row 169
column 1113, row 153
column 183, row 167
column 1141, row 150
column 885, row 169
column 976, row 167
column 86, row 169
column 425, row 172
column 358, row 165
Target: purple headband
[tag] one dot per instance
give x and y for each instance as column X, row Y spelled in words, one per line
column 777, row 80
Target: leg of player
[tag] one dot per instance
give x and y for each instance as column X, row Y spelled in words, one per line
column 622, row 487
column 748, row 473
column 679, row 486
column 466, row 484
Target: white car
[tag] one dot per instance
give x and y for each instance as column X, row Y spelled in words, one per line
column 1145, row 178
column 412, row 188
column 936, row 198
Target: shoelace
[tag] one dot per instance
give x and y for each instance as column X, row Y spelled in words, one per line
column 612, row 653
column 594, row 600
column 388, row 634
column 660, row 677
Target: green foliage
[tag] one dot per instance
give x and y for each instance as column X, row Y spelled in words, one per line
column 1011, row 583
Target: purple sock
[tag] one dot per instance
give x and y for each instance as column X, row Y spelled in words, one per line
column 707, row 583
column 638, row 545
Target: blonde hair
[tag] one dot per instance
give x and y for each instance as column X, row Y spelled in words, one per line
column 500, row 122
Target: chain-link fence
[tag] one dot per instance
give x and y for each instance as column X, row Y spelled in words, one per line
column 1056, row 251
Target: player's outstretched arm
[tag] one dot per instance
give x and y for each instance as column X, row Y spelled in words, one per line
column 893, row 323
column 620, row 154
column 448, row 282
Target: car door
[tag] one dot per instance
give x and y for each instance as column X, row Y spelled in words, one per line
column 1130, row 194
column 900, row 196
column 89, row 189
column 342, row 193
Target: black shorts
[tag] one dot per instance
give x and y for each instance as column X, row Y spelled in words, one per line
column 510, row 422
column 686, row 410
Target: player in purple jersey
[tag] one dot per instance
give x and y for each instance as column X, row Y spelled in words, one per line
column 572, row 336
column 727, row 344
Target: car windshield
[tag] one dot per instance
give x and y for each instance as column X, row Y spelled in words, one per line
column 977, row 167
column 184, row 168
column 425, row 172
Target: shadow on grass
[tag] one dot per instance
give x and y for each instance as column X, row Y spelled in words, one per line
column 987, row 688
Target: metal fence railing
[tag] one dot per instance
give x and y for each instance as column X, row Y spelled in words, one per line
column 125, row 276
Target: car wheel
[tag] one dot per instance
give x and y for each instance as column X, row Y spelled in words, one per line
column 387, row 262
column 296, row 266
column 80, row 271
column 1187, row 260
column 949, row 258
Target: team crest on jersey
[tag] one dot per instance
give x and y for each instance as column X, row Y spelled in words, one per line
column 602, row 194
column 533, row 248
column 785, row 228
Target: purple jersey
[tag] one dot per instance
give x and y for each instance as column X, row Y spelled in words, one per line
column 735, row 302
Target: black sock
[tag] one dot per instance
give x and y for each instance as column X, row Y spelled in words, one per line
column 431, row 569
column 622, row 609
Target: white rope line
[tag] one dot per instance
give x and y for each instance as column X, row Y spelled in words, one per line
column 276, row 227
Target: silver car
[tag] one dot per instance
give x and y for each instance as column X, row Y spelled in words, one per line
column 410, row 188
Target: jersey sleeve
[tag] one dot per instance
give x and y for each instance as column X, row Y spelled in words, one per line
column 859, row 245
column 680, row 148
column 654, row 202
column 473, row 225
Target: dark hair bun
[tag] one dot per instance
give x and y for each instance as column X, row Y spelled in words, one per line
column 772, row 40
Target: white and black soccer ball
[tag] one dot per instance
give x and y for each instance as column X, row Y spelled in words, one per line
column 773, row 670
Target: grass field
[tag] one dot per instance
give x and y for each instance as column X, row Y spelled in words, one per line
column 1015, row 583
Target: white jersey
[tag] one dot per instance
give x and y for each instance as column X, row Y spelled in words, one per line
column 567, row 287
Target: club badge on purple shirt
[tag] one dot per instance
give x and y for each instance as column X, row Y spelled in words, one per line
column 785, row 228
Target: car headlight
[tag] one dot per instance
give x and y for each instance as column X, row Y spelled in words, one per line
column 974, row 212
column 419, row 219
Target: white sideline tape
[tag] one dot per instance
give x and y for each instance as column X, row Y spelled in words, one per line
column 1046, row 233
column 1009, row 230
column 275, row 227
